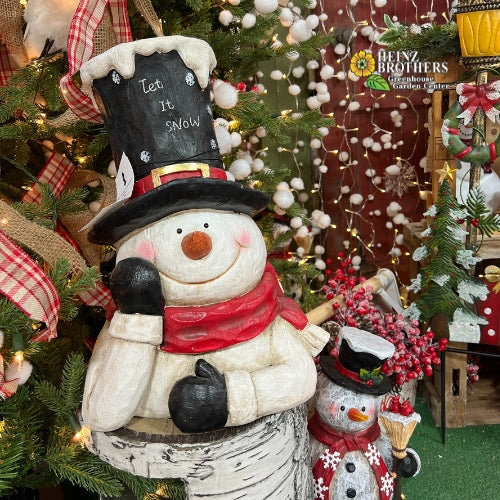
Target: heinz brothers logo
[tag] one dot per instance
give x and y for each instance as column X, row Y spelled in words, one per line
column 403, row 67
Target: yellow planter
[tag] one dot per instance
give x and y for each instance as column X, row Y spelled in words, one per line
column 479, row 33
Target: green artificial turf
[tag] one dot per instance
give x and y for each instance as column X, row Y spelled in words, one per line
column 466, row 467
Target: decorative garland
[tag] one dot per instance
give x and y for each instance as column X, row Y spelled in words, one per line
column 471, row 97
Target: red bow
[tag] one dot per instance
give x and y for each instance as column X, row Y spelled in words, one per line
column 480, row 96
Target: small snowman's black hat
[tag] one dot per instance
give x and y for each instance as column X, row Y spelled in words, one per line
column 357, row 367
column 155, row 100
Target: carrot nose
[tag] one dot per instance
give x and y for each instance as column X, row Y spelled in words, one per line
column 196, row 245
column 356, row 416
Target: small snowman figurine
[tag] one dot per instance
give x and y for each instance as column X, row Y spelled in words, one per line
column 202, row 334
column 351, row 457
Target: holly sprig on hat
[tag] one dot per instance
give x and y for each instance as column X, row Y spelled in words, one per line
column 371, row 378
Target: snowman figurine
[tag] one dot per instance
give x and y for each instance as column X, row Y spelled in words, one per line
column 202, row 333
column 350, row 456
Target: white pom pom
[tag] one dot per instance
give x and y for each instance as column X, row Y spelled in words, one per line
column 393, row 170
column 393, row 208
column 303, row 197
column 400, row 239
column 276, row 75
column 320, row 264
column 356, row 260
column 248, row 20
column 353, row 140
column 376, row 147
column 323, row 98
column 225, row 95
column 387, row 145
column 340, row 49
column 386, row 138
column 22, row 372
column 345, row 189
column 299, row 31
column 319, row 250
column 235, row 139
column 326, row 72
column 313, row 103
column 312, row 21
column 297, row 183
column 399, row 219
column 380, row 3
column 261, row 132
column 313, row 64
column 356, row 199
column 377, row 180
column 324, row 221
column 257, row 165
column 343, row 156
column 298, row 72
column 286, row 17
column 223, row 140
column 353, row 106
column 240, row 169
column 265, row 6
column 389, row 225
column 370, row 172
column 234, row 2
column 367, row 142
column 323, row 169
column 315, row 143
column 225, row 17
column 296, row 222
column 112, row 168
column 294, row 90
column 302, row 232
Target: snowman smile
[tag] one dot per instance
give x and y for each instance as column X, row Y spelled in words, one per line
column 211, row 279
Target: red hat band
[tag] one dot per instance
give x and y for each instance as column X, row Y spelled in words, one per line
column 163, row 175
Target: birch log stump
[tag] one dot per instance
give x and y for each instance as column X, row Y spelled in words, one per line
column 266, row 459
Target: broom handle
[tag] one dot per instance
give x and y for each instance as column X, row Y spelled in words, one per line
column 324, row 311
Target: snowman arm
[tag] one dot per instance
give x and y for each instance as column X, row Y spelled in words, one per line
column 288, row 382
column 120, row 370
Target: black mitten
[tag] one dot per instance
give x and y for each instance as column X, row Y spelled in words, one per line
column 198, row 403
column 409, row 466
column 136, row 288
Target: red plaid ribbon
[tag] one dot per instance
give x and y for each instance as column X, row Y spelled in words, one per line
column 56, row 172
column 6, row 68
column 25, row 284
column 80, row 48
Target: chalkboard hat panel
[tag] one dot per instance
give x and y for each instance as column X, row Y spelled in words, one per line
column 358, row 365
column 154, row 97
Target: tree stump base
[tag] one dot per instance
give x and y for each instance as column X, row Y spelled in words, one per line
column 268, row 458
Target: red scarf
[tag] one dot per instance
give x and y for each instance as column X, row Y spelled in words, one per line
column 338, row 444
column 199, row 329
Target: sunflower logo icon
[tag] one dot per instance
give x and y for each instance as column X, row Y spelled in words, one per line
column 363, row 64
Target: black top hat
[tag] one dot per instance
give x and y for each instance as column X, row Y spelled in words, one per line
column 357, row 367
column 160, row 118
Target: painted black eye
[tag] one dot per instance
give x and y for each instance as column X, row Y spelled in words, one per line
column 205, row 225
column 179, row 230
column 363, row 409
column 342, row 407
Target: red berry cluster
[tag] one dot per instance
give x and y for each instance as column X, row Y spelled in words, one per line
column 416, row 352
column 394, row 405
column 472, row 368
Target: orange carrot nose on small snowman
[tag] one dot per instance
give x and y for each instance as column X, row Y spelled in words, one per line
column 357, row 416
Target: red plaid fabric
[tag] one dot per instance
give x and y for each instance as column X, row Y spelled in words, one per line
column 25, row 284
column 56, row 172
column 80, row 47
column 6, row 68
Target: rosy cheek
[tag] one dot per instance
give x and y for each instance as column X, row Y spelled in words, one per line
column 332, row 408
column 244, row 240
column 371, row 412
column 145, row 250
